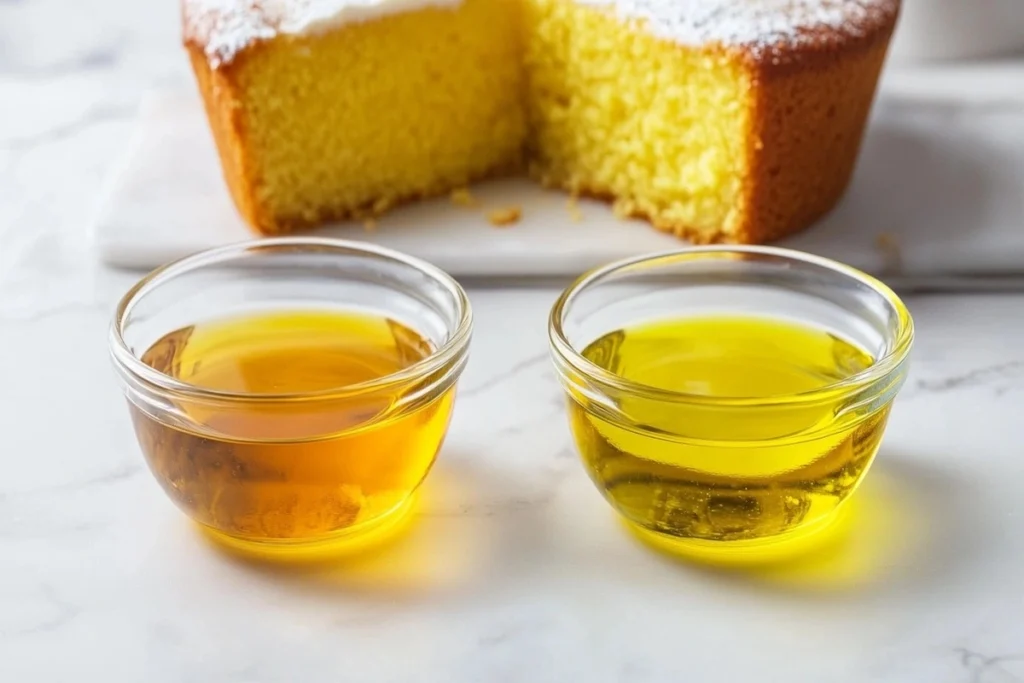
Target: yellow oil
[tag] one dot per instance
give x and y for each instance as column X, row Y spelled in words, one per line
column 283, row 470
column 738, row 472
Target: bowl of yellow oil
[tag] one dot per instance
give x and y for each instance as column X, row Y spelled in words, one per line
column 290, row 395
column 727, row 401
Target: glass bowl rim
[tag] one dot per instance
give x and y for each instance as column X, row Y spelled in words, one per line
column 564, row 350
column 128, row 362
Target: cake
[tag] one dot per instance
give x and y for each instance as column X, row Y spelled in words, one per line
column 716, row 120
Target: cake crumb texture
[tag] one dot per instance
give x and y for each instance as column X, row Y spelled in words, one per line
column 461, row 196
column 350, row 122
column 505, row 217
column 572, row 205
column 615, row 112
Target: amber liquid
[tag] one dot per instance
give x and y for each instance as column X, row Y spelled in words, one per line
column 713, row 473
column 286, row 469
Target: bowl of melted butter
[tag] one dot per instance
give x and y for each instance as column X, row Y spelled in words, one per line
column 727, row 401
column 290, row 395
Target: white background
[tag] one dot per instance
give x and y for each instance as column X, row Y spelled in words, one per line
column 517, row 571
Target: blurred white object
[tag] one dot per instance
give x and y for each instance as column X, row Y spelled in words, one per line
column 935, row 30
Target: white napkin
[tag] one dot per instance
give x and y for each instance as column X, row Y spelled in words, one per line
column 938, row 195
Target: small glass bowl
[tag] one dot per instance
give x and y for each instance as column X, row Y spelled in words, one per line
column 705, row 476
column 312, row 470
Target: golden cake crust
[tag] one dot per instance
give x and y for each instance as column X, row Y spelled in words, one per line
column 810, row 114
column 218, row 92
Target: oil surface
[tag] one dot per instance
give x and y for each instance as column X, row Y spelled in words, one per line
column 286, row 469
column 705, row 471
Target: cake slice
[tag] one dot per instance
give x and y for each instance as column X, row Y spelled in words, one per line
column 331, row 109
column 717, row 120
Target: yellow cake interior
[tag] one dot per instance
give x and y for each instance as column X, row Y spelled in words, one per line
column 615, row 112
column 354, row 120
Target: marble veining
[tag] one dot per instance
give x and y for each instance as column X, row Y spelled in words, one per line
column 497, row 380
column 1002, row 376
column 515, row 569
column 988, row 668
column 97, row 115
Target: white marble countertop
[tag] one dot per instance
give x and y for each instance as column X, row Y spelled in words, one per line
column 516, row 570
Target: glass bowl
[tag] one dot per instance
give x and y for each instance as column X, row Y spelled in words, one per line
column 700, row 473
column 291, row 468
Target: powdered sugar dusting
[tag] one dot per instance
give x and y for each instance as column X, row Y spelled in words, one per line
column 225, row 27
column 758, row 25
